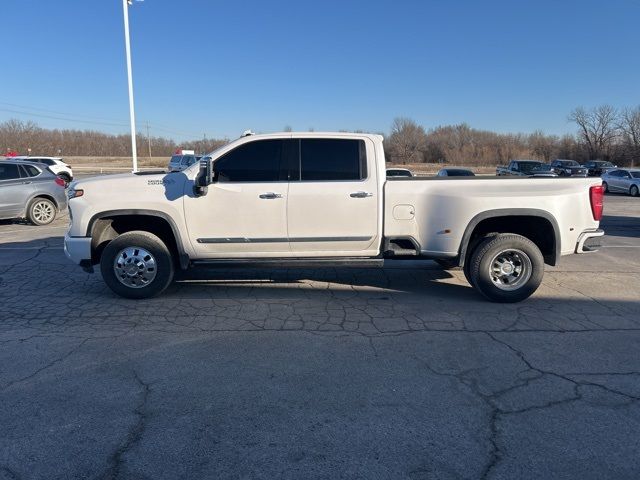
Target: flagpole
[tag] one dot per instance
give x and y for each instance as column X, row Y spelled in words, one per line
column 134, row 152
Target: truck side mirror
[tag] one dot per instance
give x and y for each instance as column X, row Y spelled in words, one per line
column 204, row 177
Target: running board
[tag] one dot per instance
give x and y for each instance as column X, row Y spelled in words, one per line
column 356, row 262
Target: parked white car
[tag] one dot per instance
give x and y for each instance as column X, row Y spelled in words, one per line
column 324, row 199
column 55, row 164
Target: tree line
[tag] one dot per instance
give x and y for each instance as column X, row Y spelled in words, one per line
column 28, row 138
column 603, row 132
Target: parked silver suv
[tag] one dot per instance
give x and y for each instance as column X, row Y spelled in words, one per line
column 30, row 190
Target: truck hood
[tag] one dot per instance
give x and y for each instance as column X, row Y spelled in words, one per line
column 152, row 186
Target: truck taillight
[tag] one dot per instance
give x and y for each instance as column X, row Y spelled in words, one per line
column 596, row 195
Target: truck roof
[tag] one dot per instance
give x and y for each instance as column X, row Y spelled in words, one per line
column 372, row 136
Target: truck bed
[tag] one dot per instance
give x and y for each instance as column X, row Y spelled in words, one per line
column 432, row 212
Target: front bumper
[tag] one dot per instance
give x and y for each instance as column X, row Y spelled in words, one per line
column 589, row 241
column 78, row 250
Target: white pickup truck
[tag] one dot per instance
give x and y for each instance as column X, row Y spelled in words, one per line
column 323, row 199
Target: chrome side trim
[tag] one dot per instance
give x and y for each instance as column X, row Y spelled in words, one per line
column 281, row 240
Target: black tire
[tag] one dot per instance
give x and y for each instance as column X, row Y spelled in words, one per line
column 633, row 191
column 519, row 252
column 470, row 249
column 161, row 269
column 605, row 187
column 446, row 263
column 41, row 211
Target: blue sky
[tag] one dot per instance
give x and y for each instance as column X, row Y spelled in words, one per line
column 219, row 67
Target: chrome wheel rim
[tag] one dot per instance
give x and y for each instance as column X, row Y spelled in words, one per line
column 43, row 212
column 510, row 269
column 135, row 267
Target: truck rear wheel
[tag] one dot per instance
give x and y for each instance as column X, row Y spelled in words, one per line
column 506, row 268
column 137, row 264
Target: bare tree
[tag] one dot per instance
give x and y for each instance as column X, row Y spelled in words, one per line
column 598, row 128
column 543, row 146
column 407, row 141
column 630, row 128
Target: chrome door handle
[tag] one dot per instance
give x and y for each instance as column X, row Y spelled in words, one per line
column 25, row 183
column 361, row 194
column 270, row 195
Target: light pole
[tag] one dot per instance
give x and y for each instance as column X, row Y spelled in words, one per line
column 134, row 152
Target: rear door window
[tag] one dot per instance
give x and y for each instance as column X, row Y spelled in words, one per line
column 332, row 159
column 9, row 172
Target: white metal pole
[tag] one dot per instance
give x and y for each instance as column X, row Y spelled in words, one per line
column 134, row 152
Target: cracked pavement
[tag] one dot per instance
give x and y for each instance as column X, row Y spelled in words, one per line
column 401, row 372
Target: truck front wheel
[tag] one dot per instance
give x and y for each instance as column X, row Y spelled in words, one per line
column 506, row 268
column 137, row 264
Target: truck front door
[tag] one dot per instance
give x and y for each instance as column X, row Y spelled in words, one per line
column 244, row 213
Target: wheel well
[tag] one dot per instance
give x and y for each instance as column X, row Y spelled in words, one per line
column 48, row 197
column 539, row 230
column 107, row 228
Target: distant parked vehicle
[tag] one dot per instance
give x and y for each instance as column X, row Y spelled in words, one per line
column 29, row 190
column 568, row 168
column 399, row 172
column 183, row 159
column 455, row 172
column 55, row 164
column 526, row 168
column 596, row 168
column 622, row 181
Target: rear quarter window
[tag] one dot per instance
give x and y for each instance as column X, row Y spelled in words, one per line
column 31, row 171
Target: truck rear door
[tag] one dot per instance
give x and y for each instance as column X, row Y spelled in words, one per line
column 332, row 209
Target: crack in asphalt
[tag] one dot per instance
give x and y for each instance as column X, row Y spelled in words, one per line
column 133, row 436
column 47, row 366
column 496, row 412
column 328, row 303
column 12, row 475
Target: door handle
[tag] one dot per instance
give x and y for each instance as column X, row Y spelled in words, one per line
column 361, row 194
column 270, row 196
column 25, row 183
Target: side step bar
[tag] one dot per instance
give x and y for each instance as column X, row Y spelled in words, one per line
column 356, row 262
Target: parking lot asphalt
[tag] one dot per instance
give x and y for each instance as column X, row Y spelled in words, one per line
column 401, row 372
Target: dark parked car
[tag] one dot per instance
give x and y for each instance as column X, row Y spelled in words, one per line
column 526, row 168
column 568, row 168
column 399, row 172
column 622, row 181
column 30, row 190
column 598, row 167
column 455, row 172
